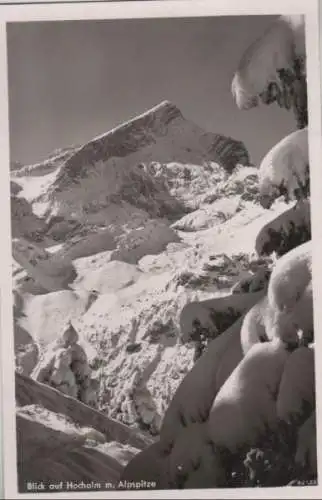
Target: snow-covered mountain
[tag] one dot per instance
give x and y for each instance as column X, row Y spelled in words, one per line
column 160, row 134
column 123, row 190
column 112, row 167
column 123, row 237
column 107, row 208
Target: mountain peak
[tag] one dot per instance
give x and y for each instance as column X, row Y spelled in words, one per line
column 161, row 113
column 162, row 109
column 160, row 134
column 124, row 139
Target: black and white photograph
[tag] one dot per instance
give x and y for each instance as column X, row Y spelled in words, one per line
column 163, row 296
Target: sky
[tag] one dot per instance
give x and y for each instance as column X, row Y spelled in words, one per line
column 70, row 81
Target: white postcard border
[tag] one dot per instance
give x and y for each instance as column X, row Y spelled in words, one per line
column 151, row 9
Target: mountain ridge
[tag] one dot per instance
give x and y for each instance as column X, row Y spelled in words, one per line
column 113, row 163
column 143, row 131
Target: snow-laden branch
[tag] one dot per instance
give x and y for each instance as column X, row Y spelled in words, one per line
column 272, row 64
column 285, row 169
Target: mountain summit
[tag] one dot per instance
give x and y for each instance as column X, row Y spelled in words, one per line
column 144, row 131
column 103, row 167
